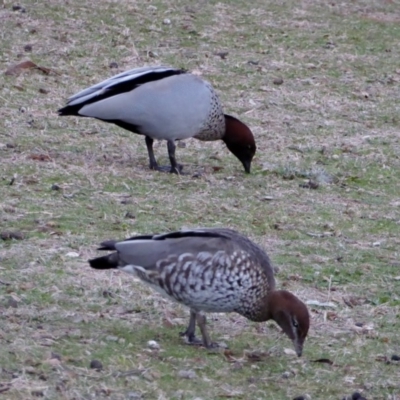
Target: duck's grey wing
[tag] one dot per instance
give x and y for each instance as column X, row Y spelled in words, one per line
column 117, row 84
column 148, row 250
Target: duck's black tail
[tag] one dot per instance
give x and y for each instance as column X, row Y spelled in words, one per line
column 106, row 262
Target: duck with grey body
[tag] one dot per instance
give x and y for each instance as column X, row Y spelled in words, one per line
column 167, row 104
column 210, row 270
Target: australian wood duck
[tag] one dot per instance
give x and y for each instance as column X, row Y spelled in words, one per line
column 210, row 270
column 164, row 103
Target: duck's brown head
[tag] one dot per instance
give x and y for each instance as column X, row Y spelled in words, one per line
column 240, row 141
column 291, row 314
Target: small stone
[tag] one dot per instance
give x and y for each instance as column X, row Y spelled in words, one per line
column 43, row 90
column 133, row 395
column 267, row 198
column 17, row 7
column 277, row 81
column 130, row 215
column 55, row 356
column 222, row 54
column 72, row 254
column 187, row 374
column 286, row 375
column 309, row 185
column 167, row 21
column 299, row 398
column 96, row 364
column 12, row 302
column 28, row 48
column 152, row 344
column 113, row 64
column 395, row 357
column 111, row 338
column 55, row 187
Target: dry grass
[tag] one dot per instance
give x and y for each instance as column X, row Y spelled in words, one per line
column 333, row 120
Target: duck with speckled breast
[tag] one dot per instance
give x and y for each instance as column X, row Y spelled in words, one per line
column 210, row 270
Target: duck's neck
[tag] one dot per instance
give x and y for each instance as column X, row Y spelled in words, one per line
column 262, row 312
column 269, row 306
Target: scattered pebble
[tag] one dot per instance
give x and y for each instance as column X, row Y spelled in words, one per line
column 222, row 54
column 167, row 21
column 72, row 254
column 130, row 215
column 286, row 375
column 267, row 198
column 55, row 187
column 113, row 64
column 96, row 364
column 111, row 338
column 299, row 398
column 289, row 352
column 395, row 357
column 187, row 374
column 55, row 356
column 277, row 81
column 12, row 302
column 134, row 395
column 309, row 185
column 28, row 48
column 17, row 7
column 107, row 293
column 152, row 344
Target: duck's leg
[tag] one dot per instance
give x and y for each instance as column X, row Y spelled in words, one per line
column 149, row 145
column 201, row 322
column 175, row 167
column 197, row 316
column 191, row 329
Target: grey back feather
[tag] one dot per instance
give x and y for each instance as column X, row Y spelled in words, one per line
column 147, row 252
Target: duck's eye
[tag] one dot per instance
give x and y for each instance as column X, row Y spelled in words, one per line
column 295, row 323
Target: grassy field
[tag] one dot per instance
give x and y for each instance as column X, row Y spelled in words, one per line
column 318, row 82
